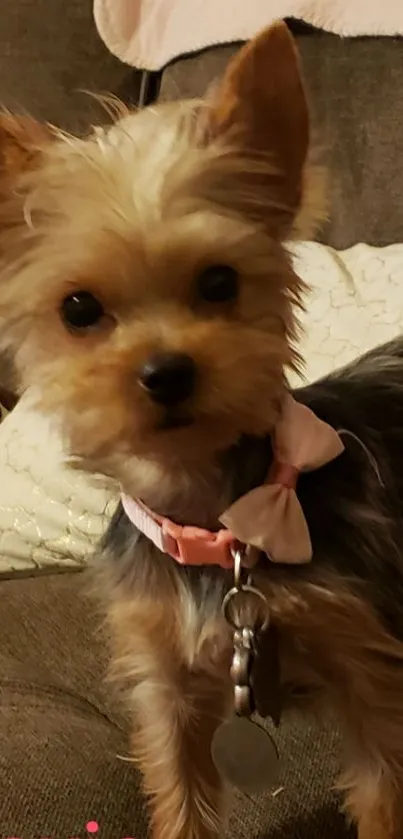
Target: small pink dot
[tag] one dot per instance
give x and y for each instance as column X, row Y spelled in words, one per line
column 92, row 827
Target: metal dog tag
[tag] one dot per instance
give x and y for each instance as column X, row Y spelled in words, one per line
column 245, row 755
column 266, row 677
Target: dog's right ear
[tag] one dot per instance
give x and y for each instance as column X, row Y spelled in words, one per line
column 261, row 108
column 22, row 140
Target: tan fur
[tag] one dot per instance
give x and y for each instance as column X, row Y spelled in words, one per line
column 133, row 214
column 21, row 142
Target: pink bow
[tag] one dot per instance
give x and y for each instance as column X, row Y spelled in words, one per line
column 270, row 517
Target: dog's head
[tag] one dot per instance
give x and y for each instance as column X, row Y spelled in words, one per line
column 144, row 288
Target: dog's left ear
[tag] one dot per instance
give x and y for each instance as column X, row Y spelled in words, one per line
column 260, row 107
column 22, row 140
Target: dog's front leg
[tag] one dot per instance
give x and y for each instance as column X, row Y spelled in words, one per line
column 375, row 801
column 178, row 689
column 172, row 740
column 372, row 708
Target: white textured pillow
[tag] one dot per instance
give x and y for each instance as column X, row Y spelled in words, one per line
column 52, row 515
column 49, row 514
column 355, row 304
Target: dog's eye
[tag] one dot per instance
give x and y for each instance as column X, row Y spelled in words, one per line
column 81, row 310
column 218, row 284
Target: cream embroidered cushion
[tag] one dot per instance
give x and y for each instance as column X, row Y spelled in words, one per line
column 52, row 515
column 356, row 303
column 49, row 513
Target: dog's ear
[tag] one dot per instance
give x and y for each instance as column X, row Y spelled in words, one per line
column 260, row 104
column 22, row 140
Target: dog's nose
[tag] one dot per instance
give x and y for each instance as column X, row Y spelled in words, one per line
column 168, row 378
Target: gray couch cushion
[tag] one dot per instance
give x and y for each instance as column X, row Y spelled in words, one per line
column 356, row 89
column 61, row 733
column 49, row 52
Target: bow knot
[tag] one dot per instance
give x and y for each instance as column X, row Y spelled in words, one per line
column 284, row 474
column 270, row 517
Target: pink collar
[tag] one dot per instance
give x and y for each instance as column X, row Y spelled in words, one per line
column 270, row 517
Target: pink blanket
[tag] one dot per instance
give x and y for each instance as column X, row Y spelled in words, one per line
column 149, row 33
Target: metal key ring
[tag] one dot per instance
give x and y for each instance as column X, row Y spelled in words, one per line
column 245, row 589
column 238, row 555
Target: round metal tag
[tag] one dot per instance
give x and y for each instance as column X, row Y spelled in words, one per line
column 245, row 755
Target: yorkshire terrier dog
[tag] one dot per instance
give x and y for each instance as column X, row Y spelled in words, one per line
column 148, row 297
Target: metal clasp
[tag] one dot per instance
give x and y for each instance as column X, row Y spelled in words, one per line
column 239, row 610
